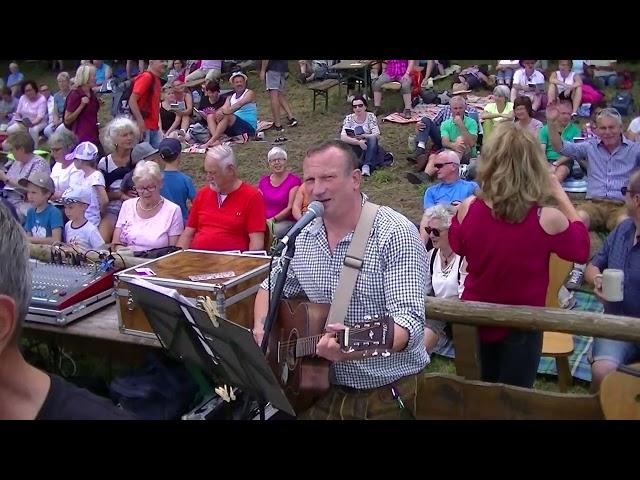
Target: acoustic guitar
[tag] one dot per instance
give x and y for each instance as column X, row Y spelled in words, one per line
column 304, row 377
column 620, row 393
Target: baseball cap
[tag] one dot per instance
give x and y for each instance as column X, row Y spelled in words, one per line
column 76, row 194
column 127, row 184
column 142, row 151
column 169, row 148
column 83, row 151
column 39, row 179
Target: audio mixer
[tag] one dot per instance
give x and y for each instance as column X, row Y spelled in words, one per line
column 63, row 293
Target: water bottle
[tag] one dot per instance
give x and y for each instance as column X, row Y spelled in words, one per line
column 196, row 97
column 412, row 143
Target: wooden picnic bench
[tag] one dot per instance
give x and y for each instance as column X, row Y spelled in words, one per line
column 321, row 89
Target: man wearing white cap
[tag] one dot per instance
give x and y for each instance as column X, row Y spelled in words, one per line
column 239, row 114
column 79, row 231
column 85, row 159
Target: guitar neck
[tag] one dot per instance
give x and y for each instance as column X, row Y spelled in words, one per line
column 306, row 346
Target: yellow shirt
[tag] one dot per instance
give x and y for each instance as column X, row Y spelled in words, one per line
column 492, row 108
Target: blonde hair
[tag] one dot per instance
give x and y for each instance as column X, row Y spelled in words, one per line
column 513, row 172
column 83, row 74
column 147, row 170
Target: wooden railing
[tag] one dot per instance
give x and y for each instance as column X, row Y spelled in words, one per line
column 534, row 318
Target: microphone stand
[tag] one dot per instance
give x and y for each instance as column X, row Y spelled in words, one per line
column 277, row 293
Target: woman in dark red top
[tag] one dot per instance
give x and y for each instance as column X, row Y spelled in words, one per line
column 507, row 237
column 82, row 106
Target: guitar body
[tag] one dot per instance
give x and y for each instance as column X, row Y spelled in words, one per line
column 303, row 379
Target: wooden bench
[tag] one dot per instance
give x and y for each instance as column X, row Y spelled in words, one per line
column 321, row 89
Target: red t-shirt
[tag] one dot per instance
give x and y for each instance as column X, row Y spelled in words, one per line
column 86, row 125
column 509, row 263
column 148, row 98
column 226, row 227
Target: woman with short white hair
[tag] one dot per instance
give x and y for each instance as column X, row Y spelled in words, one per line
column 148, row 221
column 444, row 275
column 81, row 112
column 118, row 138
column 279, row 191
column 499, row 110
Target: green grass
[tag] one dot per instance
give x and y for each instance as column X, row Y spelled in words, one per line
column 388, row 186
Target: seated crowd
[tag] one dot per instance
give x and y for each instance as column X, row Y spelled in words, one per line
column 498, row 177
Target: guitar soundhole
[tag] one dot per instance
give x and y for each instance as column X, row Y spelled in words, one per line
column 290, row 349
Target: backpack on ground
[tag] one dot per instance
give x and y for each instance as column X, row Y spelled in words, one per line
column 623, row 103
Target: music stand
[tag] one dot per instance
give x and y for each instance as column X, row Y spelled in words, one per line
column 228, row 352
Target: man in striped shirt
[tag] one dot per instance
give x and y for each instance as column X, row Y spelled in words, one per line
column 610, row 160
column 392, row 281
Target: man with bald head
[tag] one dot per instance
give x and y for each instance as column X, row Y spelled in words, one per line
column 458, row 133
column 621, row 250
column 391, row 281
column 452, row 189
column 227, row 214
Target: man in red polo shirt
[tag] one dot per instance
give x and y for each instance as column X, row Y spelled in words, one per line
column 227, row 214
column 145, row 102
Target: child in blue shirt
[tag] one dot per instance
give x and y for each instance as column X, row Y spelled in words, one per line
column 44, row 221
column 177, row 187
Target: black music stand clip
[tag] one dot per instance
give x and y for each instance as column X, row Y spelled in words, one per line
column 227, row 353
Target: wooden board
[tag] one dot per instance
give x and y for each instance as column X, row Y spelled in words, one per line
column 448, row 397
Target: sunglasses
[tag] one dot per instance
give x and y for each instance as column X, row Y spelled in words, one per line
column 358, row 105
column 436, row 232
column 624, row 191
column 440, row 165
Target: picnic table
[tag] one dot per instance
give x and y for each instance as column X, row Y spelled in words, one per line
column 357, row 70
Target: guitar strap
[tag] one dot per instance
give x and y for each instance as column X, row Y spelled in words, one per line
column 352, row 264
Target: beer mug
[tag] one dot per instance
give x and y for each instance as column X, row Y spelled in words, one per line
column 612, row 284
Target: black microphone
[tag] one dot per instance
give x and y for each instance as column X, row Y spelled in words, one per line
column 314, row 210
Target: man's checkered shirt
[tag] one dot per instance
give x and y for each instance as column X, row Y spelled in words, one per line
column 392, row 281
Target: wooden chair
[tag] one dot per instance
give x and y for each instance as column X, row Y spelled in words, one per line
column 558, row 345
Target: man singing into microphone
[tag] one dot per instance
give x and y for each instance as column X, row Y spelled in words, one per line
column 392, row 281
